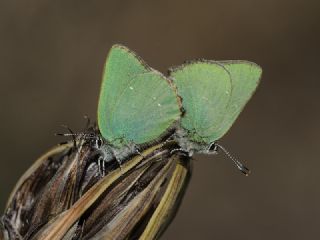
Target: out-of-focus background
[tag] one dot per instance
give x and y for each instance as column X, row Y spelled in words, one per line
column 51, row 59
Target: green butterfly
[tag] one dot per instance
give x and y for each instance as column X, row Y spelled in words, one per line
column 213, row 95
column 137, row 104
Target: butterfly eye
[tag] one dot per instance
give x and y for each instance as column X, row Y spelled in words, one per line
column 95, row 141
column 99, row 142
column 213, row 147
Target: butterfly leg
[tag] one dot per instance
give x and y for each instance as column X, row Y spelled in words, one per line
column 180, row 150
column 119, row 163
column 101, row 166
column 86, row 117
column 139, row 153
column 118, row 160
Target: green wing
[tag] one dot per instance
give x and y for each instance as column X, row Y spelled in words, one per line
column 213, row 95
column 205, row 88
column 245, row 78
column 136, row 102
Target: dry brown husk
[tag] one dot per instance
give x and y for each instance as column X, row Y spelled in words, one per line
column 63, row 195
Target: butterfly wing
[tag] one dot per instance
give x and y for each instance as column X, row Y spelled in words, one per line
column 214, row 93
column 136, row 102
column 205, row 88
column 245, row 77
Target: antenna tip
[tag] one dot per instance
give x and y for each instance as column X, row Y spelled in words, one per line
column 246, row 171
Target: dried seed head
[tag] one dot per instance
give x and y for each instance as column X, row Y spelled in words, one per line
column 65, row 196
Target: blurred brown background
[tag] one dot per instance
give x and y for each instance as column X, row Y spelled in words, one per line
column 51, row 59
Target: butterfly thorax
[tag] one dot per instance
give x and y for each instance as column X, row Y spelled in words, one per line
column 182, row 137
column 111, row 152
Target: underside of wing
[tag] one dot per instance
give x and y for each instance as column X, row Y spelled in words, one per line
column 137, row 104
column 205, row 88
column 245, row 78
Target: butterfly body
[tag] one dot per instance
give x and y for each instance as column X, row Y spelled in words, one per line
column 110, row 153
column 189, row 147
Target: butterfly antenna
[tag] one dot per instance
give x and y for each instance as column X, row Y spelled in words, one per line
column 238, row 164
column 86, row 117
column 70, row 134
